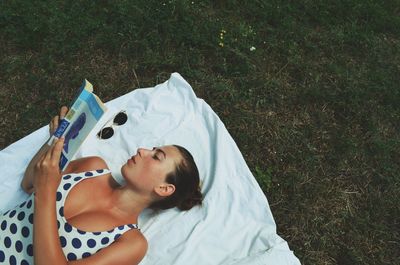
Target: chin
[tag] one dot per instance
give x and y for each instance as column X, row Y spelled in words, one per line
column 123, row 171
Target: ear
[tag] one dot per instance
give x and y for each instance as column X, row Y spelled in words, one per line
column 164, row 189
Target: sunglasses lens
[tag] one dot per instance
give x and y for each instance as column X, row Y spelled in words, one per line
column 106, row 133
column 121, row 118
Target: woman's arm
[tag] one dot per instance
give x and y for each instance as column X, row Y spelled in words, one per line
column 47, row 247
column 129, row 249
column 27, row 181
column 46, row 178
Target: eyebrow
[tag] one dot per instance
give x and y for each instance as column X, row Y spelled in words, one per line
column 160, row 150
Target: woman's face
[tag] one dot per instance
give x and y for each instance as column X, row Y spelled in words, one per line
column 148, row 168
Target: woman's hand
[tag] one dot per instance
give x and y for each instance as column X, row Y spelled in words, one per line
column 56, row 120
column 47, row 174
column 27, row 182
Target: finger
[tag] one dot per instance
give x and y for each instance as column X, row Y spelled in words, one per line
column 41, row 159
column 63, row 112
column 47, row 156
column 55, row 119
column 56, row 150
column 54, row 122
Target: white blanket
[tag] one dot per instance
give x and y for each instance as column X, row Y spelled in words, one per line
column 235, row 224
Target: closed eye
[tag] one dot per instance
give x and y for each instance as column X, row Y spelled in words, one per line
column 155, row 155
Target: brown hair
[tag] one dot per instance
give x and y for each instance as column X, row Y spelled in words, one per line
column 186, row 180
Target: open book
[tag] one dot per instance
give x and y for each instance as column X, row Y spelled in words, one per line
column 82, row 116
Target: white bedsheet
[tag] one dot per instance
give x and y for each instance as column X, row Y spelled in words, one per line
column 235, row 224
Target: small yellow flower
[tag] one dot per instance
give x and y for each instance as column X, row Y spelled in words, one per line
column 221, row 37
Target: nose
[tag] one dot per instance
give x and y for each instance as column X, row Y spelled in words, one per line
column 142, row 151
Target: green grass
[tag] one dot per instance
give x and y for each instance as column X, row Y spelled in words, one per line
column 314, row 107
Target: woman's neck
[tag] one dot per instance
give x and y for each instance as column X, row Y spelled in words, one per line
column 126, row 203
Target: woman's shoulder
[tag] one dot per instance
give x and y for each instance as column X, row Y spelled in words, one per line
column 135, row 241
column 130, row 248
column 85, row 164
column 134, row 234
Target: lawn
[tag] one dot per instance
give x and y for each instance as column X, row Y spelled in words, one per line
column 308, row 89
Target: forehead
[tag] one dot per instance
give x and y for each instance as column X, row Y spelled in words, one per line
column 172, row 153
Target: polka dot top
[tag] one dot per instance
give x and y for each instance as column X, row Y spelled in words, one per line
column 16, row 245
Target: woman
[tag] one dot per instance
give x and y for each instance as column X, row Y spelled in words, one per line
column 83, row 216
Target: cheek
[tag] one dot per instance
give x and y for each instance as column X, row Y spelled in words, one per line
column 137, row 172
column 129, row 172
column 149, row 168
column 148, row 173
column 145, row 174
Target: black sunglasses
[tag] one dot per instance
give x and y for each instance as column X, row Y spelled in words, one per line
column 108, row 132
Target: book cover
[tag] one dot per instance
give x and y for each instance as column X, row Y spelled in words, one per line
column 81, row 118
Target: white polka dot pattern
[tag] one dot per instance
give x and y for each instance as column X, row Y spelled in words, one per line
column 16, row 228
